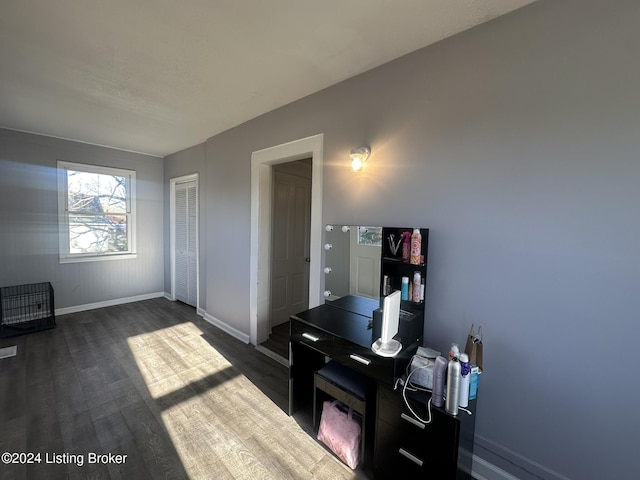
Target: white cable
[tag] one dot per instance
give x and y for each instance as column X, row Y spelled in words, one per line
column 424, row 389
column 415, row 387
column 406, row 402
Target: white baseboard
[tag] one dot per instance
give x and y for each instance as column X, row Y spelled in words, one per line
column 243, row 337
column 107, row 303
column 483, row 470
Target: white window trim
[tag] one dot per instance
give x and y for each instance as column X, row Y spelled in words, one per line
column 63, row 217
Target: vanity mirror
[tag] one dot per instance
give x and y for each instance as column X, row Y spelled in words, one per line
column 352, row 261
column 372, row 261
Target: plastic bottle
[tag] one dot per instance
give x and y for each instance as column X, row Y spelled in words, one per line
column 416, row 246
column 473, row 384
column 416, row 287
column 404, row 290
column 454, row 351
column 406, row 247
column 453, row 387
column 439, row 372
column 465, row 377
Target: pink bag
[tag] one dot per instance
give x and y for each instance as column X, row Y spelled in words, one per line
column 340, row 432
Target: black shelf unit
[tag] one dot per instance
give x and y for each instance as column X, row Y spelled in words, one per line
column 393, row 266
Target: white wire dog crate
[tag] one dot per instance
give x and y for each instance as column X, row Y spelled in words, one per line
column 26, row 308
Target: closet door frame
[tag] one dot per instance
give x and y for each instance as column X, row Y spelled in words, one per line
column 172, row 225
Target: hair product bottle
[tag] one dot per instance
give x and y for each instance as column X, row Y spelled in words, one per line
column 465, row 376
column 404, row 289
column 386, row 286
column 416, row 287
column 406, row 247
column 416, row 246
column 453, row 387
column 439, row 372
column 454, row 351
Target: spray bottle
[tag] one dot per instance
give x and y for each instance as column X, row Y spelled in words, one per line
column 406, row 247
column 416, row 287
column 416, row 247
column 465, row 376
column 453, row 387
column 439, row 372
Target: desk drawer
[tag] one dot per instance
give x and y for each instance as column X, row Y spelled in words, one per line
column 427, row 441
column 398, row 453
column 313, row 337
column 437, row 439
column 364, row 360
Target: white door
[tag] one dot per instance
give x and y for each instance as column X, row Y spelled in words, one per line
column 186, row 231
column 290, row 240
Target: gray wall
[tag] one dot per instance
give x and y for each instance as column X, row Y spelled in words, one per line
column 29, row 222
column 517, row 144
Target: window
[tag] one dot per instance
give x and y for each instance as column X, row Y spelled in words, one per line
column 96, row 208
column 370, row 236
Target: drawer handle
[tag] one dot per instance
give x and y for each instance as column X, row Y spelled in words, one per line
column 308, row 336
column 415, row 422
column 358, row 358
column 406, row 454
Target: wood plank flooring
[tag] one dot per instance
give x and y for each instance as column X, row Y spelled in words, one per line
column 153, row 381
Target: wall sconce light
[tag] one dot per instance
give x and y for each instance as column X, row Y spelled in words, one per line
column 358, row 157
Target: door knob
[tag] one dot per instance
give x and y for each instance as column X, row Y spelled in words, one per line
column 308, row 260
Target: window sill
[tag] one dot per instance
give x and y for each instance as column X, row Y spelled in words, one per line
column 98, row 258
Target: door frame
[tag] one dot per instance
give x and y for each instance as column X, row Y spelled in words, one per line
column 301, row 174
column 172, row 233
column 262, row 162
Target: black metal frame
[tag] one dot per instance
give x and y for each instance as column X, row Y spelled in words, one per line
column 26, row 308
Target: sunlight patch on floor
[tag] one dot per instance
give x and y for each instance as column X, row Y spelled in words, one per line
column 8, row 352
column 180, row 348
column 241, row 433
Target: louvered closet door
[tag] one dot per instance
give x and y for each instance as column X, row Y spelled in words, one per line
column 186, row 244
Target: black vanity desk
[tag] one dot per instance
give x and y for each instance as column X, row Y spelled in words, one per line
column 333, row 330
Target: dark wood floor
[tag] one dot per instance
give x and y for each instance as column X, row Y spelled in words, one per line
column 153, row 381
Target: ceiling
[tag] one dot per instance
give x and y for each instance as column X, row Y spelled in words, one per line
column 158, row 76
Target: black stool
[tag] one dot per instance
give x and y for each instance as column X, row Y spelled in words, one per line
column 350, row 388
